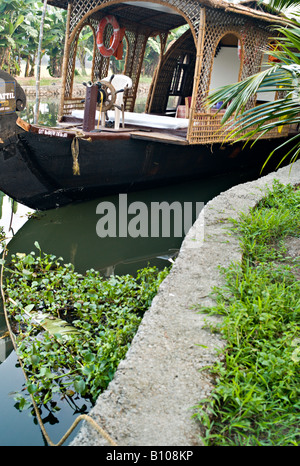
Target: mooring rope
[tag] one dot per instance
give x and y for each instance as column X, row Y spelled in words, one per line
column 75, row 150
column 81, row 417
column 75, row 154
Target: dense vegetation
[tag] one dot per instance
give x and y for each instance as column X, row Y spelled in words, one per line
column 72, row 330
column 19, row 37
column 257, row 381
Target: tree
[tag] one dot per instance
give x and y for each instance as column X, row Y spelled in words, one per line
column 19, row 36
column 282, row 76
column 28, row 40
column 39, row 61
column 85, row 47
column 13, row 32
column 54, row 40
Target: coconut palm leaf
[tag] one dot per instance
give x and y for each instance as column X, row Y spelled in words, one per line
column 251, row 123
column 56, row 327
column 235, row 97
column 53, row 325
column 280, row 4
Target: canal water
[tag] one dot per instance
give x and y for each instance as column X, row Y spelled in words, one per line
column 71, row 232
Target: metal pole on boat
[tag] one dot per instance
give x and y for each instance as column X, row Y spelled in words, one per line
column 38, row 70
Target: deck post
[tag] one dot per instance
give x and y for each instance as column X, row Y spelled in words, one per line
column 198, row 66
column 65, row 61
column 163, row 41
column 137, row 42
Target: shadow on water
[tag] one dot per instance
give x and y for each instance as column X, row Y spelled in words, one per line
column 70, row 232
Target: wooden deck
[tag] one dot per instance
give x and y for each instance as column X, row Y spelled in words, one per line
column 156, row 136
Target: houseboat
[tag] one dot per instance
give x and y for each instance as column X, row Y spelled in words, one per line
column 100, row 144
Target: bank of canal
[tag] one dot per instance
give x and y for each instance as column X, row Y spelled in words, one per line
column 70, row 232
column 150, row 400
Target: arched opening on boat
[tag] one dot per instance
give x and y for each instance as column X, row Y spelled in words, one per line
column 117, row 62
column 150, row 63
column 84, row 54
column 172, row 84
column 227, row 63
column 142, row 21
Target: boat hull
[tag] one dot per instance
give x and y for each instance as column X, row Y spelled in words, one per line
column 38, row 169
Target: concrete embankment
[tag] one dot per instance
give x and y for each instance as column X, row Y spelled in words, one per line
column 151, row 398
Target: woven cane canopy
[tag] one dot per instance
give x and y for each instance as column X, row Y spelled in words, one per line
column 185, row 69
column 130, row 13
column 246, row 7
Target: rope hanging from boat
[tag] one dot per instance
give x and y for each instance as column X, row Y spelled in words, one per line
column 75, row 154
column 81, row 417
column 75, row 151
column 108, row 52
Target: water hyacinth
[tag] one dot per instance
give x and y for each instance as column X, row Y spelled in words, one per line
column 72, row 329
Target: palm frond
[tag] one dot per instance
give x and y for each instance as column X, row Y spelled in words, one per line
column 279, row 5
column 244, row 121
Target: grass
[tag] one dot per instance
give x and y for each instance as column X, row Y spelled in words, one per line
column 255, row 401
column 48, row 81
column 43, row 82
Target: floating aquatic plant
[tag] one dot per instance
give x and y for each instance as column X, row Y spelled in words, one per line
column 72, row 330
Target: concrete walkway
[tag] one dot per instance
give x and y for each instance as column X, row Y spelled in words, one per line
column 151, row 398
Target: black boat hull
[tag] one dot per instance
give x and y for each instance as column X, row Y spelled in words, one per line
column 37, row 169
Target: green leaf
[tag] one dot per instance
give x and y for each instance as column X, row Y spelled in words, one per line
column 79, row 386
column 32, row 388
column 37, row 245
column 29, row 307
column 89, row 357
column 28, row 260
column 27, row 274
column 35, row 359
column 87, row 370
column 45, row 372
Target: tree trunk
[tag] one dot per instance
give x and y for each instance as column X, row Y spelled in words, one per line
column 81, row 57
column 32, row 64
column 55, row 66
column 26, row 72
column 39, row 59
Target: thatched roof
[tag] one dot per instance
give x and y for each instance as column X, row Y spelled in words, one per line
column 250, row 8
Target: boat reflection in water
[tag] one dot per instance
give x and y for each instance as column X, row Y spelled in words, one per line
column 70, row 232
column 6, row 345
